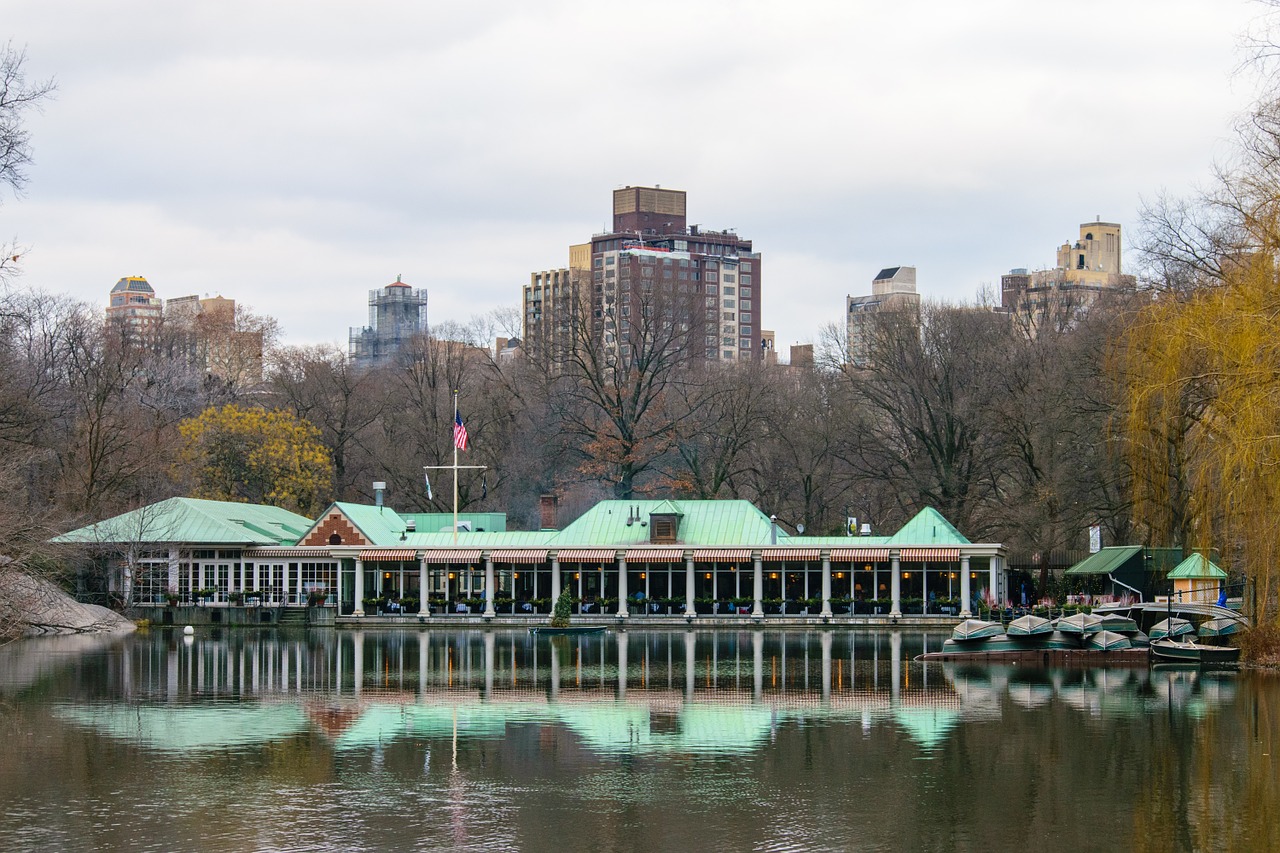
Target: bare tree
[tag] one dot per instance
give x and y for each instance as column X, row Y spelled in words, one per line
column 18, row 97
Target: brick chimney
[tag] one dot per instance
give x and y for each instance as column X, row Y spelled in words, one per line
column 548, row 507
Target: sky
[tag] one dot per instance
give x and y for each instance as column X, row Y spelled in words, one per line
column 293, row 156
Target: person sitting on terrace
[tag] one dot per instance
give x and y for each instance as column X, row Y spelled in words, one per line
column 461, row 607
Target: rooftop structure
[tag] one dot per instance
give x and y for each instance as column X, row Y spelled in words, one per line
column 1083, row 270
column 892, row 290
column 134, row 307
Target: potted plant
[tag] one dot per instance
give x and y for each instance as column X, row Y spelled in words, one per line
column 236, row 596
column 316, row 597
column 171, row 597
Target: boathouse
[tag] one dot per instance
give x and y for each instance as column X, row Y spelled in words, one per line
column 694, row 558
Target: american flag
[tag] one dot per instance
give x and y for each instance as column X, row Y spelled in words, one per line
column 459, row 431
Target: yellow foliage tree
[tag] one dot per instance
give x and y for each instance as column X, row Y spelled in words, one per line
column 1202, row 416
column 257, row 456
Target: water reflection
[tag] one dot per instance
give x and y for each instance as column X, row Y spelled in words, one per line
column 677, row 693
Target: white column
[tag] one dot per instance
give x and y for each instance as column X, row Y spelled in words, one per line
column 358, row 606
column 688, row 586
column 826, row 584
column 994, row 574
column 622, row 588
column 964, row 587
column 298, row 584
column 895, row 587
column 757, row 583
column 555, row 580
column 488, row 587
column 423, row 591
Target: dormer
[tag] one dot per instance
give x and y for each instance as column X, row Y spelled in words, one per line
column 664, row 524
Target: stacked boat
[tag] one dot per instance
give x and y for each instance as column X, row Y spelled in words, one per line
column 1029, row 635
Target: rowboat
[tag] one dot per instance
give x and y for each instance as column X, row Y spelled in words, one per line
column 1219, row 626
column 548, row 631
column 976, row 629
column 1028, row 626
column 1171, row 627
column 1119, row 624
column 1080, row 623
column 1194, row 652
column 1108, row 641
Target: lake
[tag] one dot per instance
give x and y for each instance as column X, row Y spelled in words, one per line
column 643, row 740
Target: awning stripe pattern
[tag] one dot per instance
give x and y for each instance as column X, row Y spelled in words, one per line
column 518, row 555
column 857, row 555
column 931, row 555
column 389, row 555
column 655, row 555
column 776, row 554
column 587, row 555
column 721, row 555
column 296, row 553
column 453, row 555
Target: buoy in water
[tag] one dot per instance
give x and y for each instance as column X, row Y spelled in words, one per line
column 188, row 630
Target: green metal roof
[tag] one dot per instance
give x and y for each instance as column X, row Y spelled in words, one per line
column 1105, row 561
column 485, row 539
column 704, row 523
column 189, row 520
column 434, row 522
column 380, row 525
column 927, row 528
column 1197, row 566
column 834, row 541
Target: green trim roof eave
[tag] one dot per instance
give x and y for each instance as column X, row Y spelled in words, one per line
column 928, row 527
column 1196, row 566
column 191, row 520
column 1106, row 561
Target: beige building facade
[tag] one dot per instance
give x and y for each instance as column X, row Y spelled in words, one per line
column 892, row 290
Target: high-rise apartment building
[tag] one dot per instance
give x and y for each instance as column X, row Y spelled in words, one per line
column 134, row 307
column 1083, row 270
column 893, row 289
column 397, row 313
column 652, row 280
column 210, row 334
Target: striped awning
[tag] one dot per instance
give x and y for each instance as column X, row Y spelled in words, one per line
column 296, row 553
column 721, row 555
column 858, row 555
column 655, row 555
column 453, row 555
column 587, row 555
column 519, row 555
column 930, row 555
column 776, row 554
column 384, row 555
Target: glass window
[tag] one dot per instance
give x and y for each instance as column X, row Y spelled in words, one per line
column 711, row 288
column 731, row 303
column 746, row 279
column 728, row 291
column 746, row 293
column 746, row 343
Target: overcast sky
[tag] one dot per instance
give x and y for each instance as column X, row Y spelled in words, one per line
column 294, row 155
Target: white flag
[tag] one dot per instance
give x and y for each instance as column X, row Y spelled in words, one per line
column 428, row 476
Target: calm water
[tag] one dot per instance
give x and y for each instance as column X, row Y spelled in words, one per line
column 471, row 740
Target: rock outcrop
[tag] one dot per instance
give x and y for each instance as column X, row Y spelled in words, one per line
column 33, row 606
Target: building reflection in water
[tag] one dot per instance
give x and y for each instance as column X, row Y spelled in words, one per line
column 681, row 692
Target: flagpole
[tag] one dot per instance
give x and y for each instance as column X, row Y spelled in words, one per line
column 455, row 471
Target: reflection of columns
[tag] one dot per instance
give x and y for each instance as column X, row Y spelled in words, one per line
column 337, row 664
column 555, row 669
column 622, row 662
column 358, row 655
column 757, row 584
column 688, row 585
column 757, row 663
column 555, row 580
column 358, row 607
column 424, row 649
column 488, row 587
column 824, row 641
column 622, row 587
column 689, row 666
column 895, row 663
column 965, row 613
column 895, row 586
column 488, row 664
column 826, row 584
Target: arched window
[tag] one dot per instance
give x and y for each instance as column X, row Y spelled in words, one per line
column 335, row 539
column 1089, row 235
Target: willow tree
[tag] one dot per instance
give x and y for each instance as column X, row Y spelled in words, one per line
column 1202, row 416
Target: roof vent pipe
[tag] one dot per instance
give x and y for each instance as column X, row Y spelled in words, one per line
column 378, row 488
